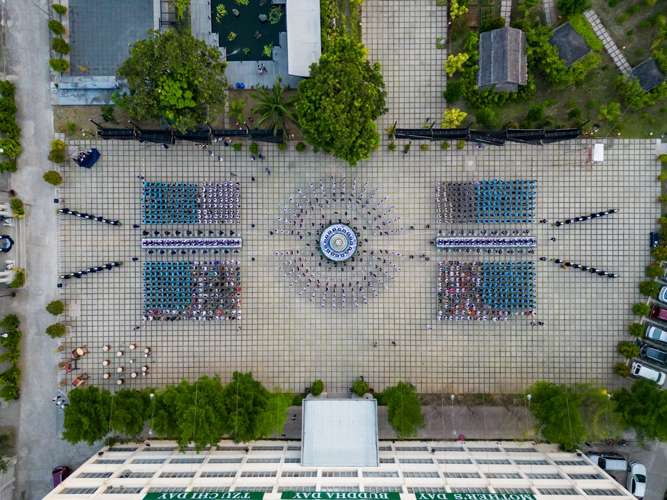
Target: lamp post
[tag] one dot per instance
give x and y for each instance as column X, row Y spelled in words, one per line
column 150, row 429
column 529, row 397
column 13, row 294
column 453, row 429
column 4, row 335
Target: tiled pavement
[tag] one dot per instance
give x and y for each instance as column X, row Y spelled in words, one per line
column 550, row 12
column 506, row 11
column 287, row 340
column 609, row 45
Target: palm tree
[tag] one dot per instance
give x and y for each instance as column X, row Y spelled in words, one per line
column 236, row 110
column 273, row 107
column 610, row 111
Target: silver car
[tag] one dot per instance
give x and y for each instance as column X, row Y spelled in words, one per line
column 655, row 333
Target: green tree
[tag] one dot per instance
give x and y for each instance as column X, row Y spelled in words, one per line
column 191, row 413
column 10, row 322
column 621, row 369
column 236, row 110
column 360, row 388
column 485, row 116
column 59, row 65
column 644, row 409
column 628, row 349
column 317, row 388
column 610, row 111
column 60, row 9
column 56, row 330
column 556, row 409
column 245, row 401
column 273, row 108
column 56, row 307
column 53, row 177
column 570, row 7
column 649, row 288
column 454, row 91
column 129, row 410
column 11, row 148
column 654, row 271
column 176, row 77
column 597, row 412
column 637, row 329
column 338, row 104
column 641, row 309
column 87, row 415
column 660, row 253
column 275, row 414
column 404, row 411
column 57, row 27
column 60, row 45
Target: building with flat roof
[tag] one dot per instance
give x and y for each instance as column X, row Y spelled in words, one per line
column 407, row 470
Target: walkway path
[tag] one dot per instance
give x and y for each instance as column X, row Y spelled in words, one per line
column 609, row 45
column 550, row 12
column 506, row 11
column 39, row 445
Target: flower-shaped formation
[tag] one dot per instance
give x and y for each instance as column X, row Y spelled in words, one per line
column 337, row 258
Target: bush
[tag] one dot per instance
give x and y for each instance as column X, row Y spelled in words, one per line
column 10, row 380
column 649, row 288
column 360, row 388
column 17, row 207
column 57, row 27
column 59, row 65
column 654, row 271
column 622, row 369
column 535, row 113
column 485, row 116
column 108, row 114
column 300, row 147
column 56, row 307
column 573, row 113
column 60, row 45
column 581, row 26
column 660, row 253
column 491, row 24
column 282, row 146
column 454, row 91
column 8, row 166
column 424, row 147
column 570, row 7
column 392, row 146
column 662, row 177
column 662, row 199
column 53, row 177
column 641, row 309
column 636, row 329
column 60, row 9
column 445, row 145
column 56, row 330
column 628, row 350
column 633, row 9
column 57, row 156
column 622, row 18
column 19, row 279
column 254, row 148
column 236, row 146
column 10, row 322
column 317, row 388
column 613, row 3
column 71, row 127
column 11, row 147
column 461, row 144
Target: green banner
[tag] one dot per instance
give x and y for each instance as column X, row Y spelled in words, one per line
column 474, row 496
column 338, row 495
column 174, row 495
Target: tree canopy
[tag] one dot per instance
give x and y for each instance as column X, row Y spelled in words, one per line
column 556, row 409
column 597, row 412
column 174, row 77
column 338, row 104
column 129, row 411
column 273, row 107
column 405, row 415
column 644, row 409
column 87, row 415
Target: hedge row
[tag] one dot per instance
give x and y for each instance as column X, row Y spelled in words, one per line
column 9, row 379
column 8, row 127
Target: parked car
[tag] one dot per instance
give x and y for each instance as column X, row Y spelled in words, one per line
column 59, row 474
column 637, row 479
column 653, row 354
column 608, row 461
column 639, row 370
column 655, row 333
column 654, row 240
column 658, row 312
column 662, row 296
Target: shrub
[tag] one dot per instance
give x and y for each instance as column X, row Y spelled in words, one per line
column 485, row 116
column 19, row 279
column 491, row 24
column 282, row 146
column 71, row 127
column 53, row 177
column 628, row 350
column 56, row 307
column 662, row 220
column 57, row 156
column 57, row 27
column 60, row 45
column 652, row 271
column 300, row 147
column 622, row 369
column 662, row 199
column 317, row 388
column 461, row 144
column 535, row 113
column 662, row 177
column 108, row 114
column 622, row 18
column 455, row 63
column 360, row 388
column 633, row 9
column 237, row 147
column 570, row 7
column 59, row 65
column 406, row 148
column 660, row 253
column 10, row 322
column 641, row 309
column 11, row 148
column 649, row 288
column 453, row 118
column 581, row 26
column 636, row 329
column 424, row 147
column 573, row 113
column 8, row 166
column 10, row 380
column 60, row 9
column 254, row 148
column 17, row 207
column 392, row 146
column 231, row 36
column 56, row 330
column 613, row 3
column 592, row 104
column 454, row 91
column 445, row 145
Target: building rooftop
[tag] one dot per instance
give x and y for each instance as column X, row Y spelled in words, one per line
column 571, row 45
column 649, row 74
column 502, row 58
column 339, row 433
column 304, row 42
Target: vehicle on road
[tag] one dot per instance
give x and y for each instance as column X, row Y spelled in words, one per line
column 655, row 355
column 637, row 479
column 608, row 461
column 639, row 370
column 655, row 333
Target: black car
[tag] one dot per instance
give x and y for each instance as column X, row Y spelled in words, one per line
column 654, row 240
column 655, row 355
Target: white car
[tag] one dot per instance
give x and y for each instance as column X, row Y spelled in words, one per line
column 637, row 479
column 662, row 296
column 639, row 370
column 656, row 334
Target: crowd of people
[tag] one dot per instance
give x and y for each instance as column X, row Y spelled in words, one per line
column 584, row 218
column 191, row 243
column 200, row 291
column 188, row 203
column 90, row 270
column 486, row 202
column 74, row 213
column 506, row 242
column 485, row 291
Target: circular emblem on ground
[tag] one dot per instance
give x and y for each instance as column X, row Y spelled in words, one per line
column 338, row 242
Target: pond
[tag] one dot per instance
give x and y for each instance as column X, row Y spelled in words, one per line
column 250, row 32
